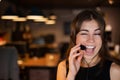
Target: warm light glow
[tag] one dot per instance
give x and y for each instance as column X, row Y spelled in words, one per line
column 34, row 17
column 53, row 17
column 117, row 47
column 41, row 20
column 8, row 17
column 20, row 19
column 50, row 22
column 20, row 62
column 110, row 1
column 35, row 58
column 51, row 57
column 108, row 28
column 2, row 41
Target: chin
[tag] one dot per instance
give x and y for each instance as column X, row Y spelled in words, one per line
column 89, row 56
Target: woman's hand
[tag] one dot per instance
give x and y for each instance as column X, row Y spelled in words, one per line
column 74, row 61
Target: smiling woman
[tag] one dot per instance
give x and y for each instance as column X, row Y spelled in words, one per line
column 95, row 62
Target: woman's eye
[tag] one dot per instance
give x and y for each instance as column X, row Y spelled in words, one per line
column 97, row 34
column 83, row 33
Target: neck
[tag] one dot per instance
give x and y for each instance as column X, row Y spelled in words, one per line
column 90, row 62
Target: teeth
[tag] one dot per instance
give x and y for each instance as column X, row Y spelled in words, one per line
column 90, row 46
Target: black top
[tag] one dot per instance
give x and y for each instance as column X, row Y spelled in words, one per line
column 95, row 73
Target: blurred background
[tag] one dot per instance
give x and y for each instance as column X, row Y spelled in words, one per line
column 40, row 30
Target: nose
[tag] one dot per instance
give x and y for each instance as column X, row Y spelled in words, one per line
column 90, row 38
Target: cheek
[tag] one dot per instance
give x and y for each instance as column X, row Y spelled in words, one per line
column 79, row 39
column 99, row 42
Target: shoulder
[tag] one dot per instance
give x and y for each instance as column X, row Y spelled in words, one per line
column 115, row 68
column 62, row 64
column 115, row 71
column 61, row 71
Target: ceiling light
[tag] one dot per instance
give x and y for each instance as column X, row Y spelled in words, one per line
column 9, row 17
column 34, row 17
column 20, row 19
column 50, row 22
column 35, row 14
column 9, row 14
column 41, row 20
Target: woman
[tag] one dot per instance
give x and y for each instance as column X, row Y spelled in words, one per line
column 94, row 62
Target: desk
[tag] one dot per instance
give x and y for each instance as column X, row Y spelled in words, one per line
column 50, row 60
column 39, row 68
column 38, row 73
column 32, row 62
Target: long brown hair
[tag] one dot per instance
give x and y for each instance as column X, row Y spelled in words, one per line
column 88, row 15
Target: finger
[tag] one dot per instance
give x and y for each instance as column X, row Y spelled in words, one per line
column 77, row 45
column 80, row 57
column 75, row 56
column 74, row 49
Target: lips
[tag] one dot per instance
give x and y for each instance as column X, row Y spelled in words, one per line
column 90, row 49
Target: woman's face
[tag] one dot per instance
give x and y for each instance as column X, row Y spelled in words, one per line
column 90, row 36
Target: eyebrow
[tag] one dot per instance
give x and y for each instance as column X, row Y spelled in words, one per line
column 88, row 31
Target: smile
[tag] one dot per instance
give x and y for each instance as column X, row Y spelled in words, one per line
column 90, row 47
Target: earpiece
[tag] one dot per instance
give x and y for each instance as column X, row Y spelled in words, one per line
column 82, row 47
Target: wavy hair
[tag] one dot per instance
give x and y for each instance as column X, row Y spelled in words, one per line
column 88, row 15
